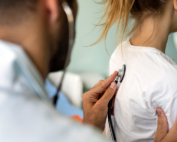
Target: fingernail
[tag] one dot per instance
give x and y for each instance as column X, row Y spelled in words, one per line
column 158, row 112
column 113, row 85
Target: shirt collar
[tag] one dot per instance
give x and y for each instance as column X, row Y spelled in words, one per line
column 15, row 64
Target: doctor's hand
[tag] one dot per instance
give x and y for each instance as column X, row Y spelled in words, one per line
column 162, row 134
column 95, row 102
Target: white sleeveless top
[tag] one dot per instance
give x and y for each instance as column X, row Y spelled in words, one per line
column 150, row 82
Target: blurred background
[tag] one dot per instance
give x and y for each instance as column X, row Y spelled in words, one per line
column 89, row 64
column 95, row 58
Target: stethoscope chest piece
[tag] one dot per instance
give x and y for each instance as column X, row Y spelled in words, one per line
column 121, row 73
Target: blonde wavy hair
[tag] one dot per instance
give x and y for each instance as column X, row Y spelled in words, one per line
column 119, row 11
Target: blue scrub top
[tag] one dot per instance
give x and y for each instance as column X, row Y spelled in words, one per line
column 63, row 104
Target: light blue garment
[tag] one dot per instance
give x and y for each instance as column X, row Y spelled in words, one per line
column 63, row 104
column 26, row 113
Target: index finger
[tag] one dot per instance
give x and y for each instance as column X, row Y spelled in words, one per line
column 162, row 127
column 105, row 84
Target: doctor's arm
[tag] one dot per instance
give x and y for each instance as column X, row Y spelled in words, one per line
column 162, row 134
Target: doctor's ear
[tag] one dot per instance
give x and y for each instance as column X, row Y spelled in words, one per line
column 51, row 9
column 175, row 4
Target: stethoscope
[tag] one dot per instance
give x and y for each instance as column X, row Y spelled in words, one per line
column 119, row 79
column 71, row 23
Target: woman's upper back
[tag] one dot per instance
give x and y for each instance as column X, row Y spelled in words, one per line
column 150, row 82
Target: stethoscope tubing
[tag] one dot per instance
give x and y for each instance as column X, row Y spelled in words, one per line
column 110, row 104
column 71, row 24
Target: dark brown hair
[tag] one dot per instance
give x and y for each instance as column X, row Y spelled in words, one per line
column 12, row 11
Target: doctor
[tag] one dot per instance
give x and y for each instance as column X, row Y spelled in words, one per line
column 33, row 42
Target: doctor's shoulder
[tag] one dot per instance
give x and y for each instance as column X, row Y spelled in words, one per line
column 30, row 119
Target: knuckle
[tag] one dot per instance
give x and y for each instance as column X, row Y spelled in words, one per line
column 103, row 86
column 100, row 106
column 101, row 81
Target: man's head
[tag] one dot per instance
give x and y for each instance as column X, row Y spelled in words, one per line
column 40, row 27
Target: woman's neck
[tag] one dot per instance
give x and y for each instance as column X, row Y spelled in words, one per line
column 153, row 32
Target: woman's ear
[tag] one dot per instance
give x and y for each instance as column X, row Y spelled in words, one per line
column 52, row 10
column 175, row 4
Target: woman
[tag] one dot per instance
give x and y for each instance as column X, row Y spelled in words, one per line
column 151, row 76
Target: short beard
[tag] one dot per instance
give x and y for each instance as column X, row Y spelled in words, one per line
column 61, row 45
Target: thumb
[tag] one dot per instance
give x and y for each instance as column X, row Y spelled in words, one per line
column 162, row 128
